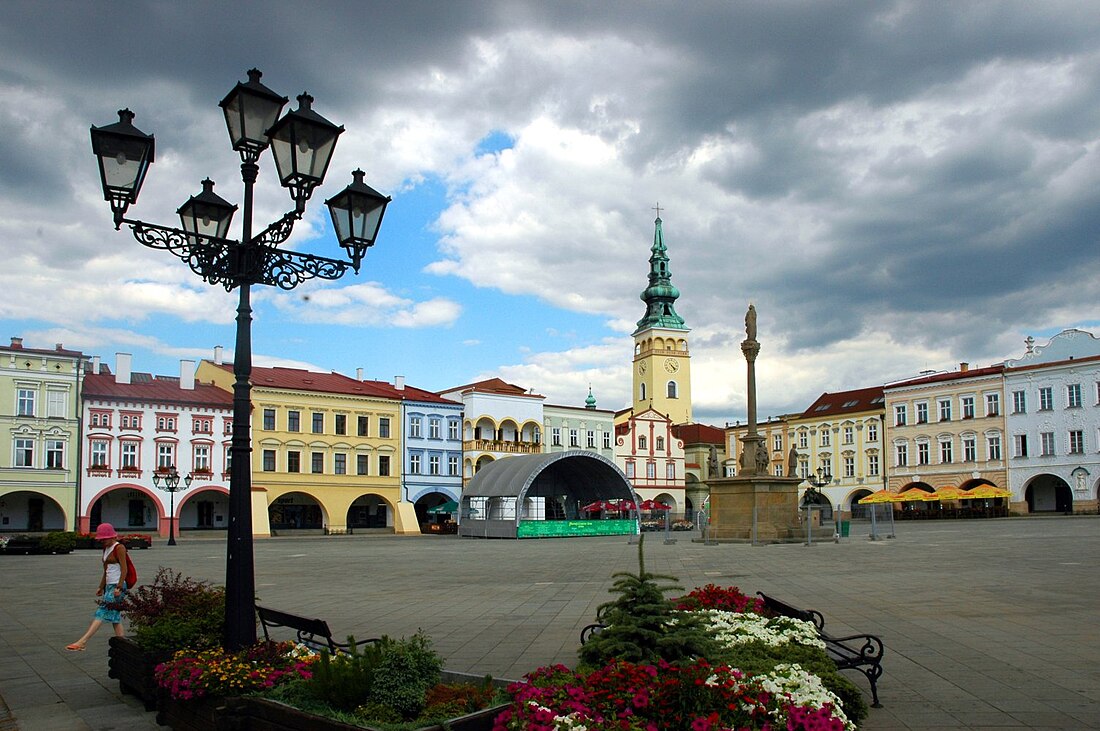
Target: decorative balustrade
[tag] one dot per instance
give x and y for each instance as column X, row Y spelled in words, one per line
column 499, row 445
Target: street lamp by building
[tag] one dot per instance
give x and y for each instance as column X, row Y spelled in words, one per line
column 817, row 480
column 170, row 482
column 302, row 143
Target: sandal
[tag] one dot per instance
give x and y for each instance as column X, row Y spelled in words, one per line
column 75, row 647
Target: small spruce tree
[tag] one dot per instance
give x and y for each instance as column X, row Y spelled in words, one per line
column 643, row 626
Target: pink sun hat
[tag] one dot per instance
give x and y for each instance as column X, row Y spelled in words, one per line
column 105, row 531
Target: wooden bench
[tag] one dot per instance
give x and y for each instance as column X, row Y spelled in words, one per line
column 854, row 652
column 313, row 633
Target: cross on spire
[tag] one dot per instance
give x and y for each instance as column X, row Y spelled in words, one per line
column 658, row 209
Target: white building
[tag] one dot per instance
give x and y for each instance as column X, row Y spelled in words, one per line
column 499, row 420
column 1052, row 407
column 136, row 425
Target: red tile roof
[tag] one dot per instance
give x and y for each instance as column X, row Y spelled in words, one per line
column 409, row 393
column 695, row 433
column 493, row 385
column 57, row 350
column 845, row 402
column 298, row 379
column 147, row 388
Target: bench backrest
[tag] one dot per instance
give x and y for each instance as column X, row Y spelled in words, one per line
column 775, row 606
column 310, row 632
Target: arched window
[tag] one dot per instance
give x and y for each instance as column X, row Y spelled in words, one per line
column 659, row 443
column 641, row 393
column 672, row 389
column 642, row 442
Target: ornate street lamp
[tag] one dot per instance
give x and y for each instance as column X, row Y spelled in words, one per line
column 170, row 482
column 302, row 143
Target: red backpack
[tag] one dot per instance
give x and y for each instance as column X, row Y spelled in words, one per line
column 130, row 576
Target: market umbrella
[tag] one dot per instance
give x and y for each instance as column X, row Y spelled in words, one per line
column 914, row 494
column 449, row 507
column 950, row 493
column 882, row 496
column 598, row 506
column 624, row 505
column 986, row 492
column 654, row 505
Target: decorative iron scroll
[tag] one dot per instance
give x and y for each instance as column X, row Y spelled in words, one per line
column 279, row 231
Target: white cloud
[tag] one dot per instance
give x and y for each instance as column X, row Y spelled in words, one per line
column 368, row 304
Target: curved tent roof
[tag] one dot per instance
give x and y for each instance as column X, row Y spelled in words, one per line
column 587, row 475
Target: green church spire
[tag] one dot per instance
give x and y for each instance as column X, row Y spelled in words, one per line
column 660, row 296
column 590, row 402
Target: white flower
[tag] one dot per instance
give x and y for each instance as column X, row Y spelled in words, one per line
column 800, row 688
column 735, row 628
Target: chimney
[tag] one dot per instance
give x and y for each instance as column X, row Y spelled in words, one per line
column 58, row 347
column 217, row 355
column 122, row 367
column 16, row 343
column 964, row 367
column 359, row 374
column 399, row 383
column 187, row 375
column 95, row 364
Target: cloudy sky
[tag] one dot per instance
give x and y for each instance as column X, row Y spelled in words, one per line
column 897, row 186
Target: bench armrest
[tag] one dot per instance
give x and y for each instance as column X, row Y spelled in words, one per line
column 871, row 649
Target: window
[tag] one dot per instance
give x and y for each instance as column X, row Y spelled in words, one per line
column 946, row 451
column 922, row 412
column 1073, row 396
column 362, row 464
column 536, row 435
column 872, row 431
column 993, row 446
column 433, row 464
column 968, row 407
column 340, row 463
column 899, row 415
column 200, row 458
column 202, row 425
column 1019, row 445
column 1046, row 398
column 228, row 451
column 827, row 468
column 672, row 389
column 849, row 466
column 651, row 470
column 384, row 466
column 384, row 428
column 433, row 428
column 849, row 436
column 166, row 423
column 1076, row 442
column 777, row 442
column 659, row 443
column 992, row 404
column 555, row 436
column 642, row 443
column 269, row 460
column 872, row 465
column 24, row 453
column 591, row 439
column 574, row 439
column 414, row 464
column 778, row 470
column 318, row 422
column 945, row 409
column 269, row 420
column 363, row 427
column 341, row 425
column 55, row 454
column 630, row 470
column 970, row 449
column 803, row 440
column 826, row 437
column 641, row 393
column 670, row 471
column 128, row 454
column 294, row 461
column 901, row 455
column 922, row 453
column 452, row 466
column 24, row 404
column 803, row 468
column 166, row 456
column 452, row 430
column 317, row 462
column 1046, row 444
column 1019, row 402
column 130, row 421
column 414, row 427
column 55, row 404
column 607, row 440
column 227, row 427
column 99, row 453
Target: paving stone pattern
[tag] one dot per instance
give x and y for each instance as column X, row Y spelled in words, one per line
column 988, row 624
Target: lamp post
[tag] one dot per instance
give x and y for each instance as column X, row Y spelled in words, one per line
column 302, row 143
column 170, row 482
column 817, row 480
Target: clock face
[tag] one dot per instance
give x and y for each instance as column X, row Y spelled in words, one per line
column 642, row 367
column 672, row 365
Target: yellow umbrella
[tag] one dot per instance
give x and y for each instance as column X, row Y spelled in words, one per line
column 882, row 496
column 914, row 494
column 950, row 493
column 987, row 492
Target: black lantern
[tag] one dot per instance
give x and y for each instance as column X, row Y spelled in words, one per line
column 303, row 142
column 206, row 213
column 168, row 480
column 356, row 215
column 251, row 109
column 124, row 153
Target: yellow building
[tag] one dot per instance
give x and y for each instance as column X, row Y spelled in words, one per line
column 776, row 439
column 326, row 452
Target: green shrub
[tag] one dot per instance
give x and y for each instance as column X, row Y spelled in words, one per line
column 407, row 669
column 344, row 681
column 176, row 612
column 58, row 542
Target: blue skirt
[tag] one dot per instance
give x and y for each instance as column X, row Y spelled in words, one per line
column 111, row 595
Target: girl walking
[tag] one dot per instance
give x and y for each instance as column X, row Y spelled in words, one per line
column 111, row 586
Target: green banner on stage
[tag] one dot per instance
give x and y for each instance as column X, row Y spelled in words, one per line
column 564, row 528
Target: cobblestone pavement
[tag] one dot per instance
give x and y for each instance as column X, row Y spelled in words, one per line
column 987, row 624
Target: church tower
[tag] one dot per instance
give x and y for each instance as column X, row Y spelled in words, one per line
column 662, row 365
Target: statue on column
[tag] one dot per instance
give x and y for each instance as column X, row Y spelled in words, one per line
column 750, row 322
